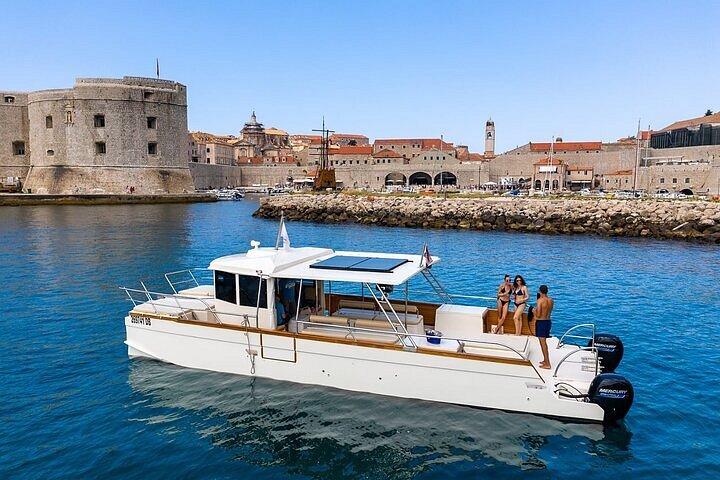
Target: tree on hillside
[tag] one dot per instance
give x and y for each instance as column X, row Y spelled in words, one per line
column 708, row 112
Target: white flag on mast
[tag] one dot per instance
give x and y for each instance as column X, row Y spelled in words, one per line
column 284, row 236
column 426, row 256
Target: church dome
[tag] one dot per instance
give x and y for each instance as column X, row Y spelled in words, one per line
column 253, row 126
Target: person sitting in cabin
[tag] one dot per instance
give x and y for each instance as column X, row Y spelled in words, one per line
column 543, row 310
column 282, row 317
column 288, row 296
column 503, row 304
column 520, row 292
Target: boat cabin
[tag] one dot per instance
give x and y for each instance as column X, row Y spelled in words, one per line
column 356, row 296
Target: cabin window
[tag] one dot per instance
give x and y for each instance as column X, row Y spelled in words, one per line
column 99, row 121
column 152, row 123
column 152, row 148
column 225, row 286
column 48, row 121
column 249, row 291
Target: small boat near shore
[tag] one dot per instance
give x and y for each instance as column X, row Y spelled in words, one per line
column 287, row 313
column 229, row 194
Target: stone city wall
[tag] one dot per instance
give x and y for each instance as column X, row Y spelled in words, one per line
column 14, row 127
column 691, row 220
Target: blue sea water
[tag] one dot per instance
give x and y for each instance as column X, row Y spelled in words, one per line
column 73, row 405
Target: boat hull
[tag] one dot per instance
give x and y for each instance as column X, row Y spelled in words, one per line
column 504, row 384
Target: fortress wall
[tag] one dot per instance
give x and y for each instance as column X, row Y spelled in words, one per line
column 67, row 156
column 15, row 127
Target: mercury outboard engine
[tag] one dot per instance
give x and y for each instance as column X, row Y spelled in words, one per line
column 610, row 351
column 614, row 394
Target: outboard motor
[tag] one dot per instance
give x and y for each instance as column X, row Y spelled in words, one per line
column 614, row 393
column 610, row 351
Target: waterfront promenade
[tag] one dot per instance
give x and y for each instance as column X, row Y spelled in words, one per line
column 18, row 199
column 666, row 219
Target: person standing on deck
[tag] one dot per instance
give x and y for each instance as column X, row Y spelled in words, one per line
column 520, row 292
column 543, row 310
column 503, row 304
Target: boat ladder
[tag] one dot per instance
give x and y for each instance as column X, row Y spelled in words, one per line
column 437, row 286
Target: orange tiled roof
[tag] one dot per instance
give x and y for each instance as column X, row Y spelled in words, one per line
column 352, row 150
column 476, row 157
column 574, row 168
column 347, row 135
column 386, row 153
column 547, row 161
column 715, row 118
column 565, row 146
column 620, row 172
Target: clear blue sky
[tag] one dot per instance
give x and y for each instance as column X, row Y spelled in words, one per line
column 580, row 70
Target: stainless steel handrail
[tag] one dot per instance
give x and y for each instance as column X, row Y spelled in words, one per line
column 178, row 272
column 208, row 307
column 387, row 317
column 461, row 341
column 580, row 349
column 582, row 325
column 454, row 295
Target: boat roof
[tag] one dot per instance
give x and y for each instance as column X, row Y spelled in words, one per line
column 313, row 263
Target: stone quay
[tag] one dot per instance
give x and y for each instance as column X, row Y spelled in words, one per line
column 664, row 219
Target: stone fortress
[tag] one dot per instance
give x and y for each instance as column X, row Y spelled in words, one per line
column 101, row 136
column 111, row 135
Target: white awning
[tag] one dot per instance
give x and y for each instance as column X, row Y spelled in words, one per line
column 297, row 263
column 397, row 276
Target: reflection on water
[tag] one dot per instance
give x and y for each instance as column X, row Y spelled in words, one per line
column 300, row 427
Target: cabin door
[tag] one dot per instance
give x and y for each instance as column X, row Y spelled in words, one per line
column 278, row 347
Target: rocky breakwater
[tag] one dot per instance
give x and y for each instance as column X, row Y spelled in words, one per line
column 689, row 220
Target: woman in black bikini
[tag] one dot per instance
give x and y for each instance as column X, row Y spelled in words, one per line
column 520, row 292
column 503, row 303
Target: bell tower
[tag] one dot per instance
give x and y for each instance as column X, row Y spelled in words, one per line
column 490, row 138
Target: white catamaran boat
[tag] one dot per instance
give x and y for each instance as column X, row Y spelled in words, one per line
column 272, row 312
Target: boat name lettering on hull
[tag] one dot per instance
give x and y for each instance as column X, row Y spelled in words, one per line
column 140, row 321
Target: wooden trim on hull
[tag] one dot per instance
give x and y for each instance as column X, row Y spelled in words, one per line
column 359, row 343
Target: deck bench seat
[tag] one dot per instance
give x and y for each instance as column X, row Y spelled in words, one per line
column 199, row 291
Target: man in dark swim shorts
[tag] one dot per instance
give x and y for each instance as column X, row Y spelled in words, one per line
column 543, row 323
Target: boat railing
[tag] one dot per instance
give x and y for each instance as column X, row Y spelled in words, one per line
column 460, row 341
column 454, row 295
column 145, row 296
column 181, row 278
column 568, row 334
column 579, row 349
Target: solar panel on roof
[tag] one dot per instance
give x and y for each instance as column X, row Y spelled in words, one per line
column 338, row 262
column 374, row 264
column 360, row 264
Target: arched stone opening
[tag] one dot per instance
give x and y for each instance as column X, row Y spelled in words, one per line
column 420, row 178
column 445, row 178
column 687, row 191
column 395, row 178
column 538, row 184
